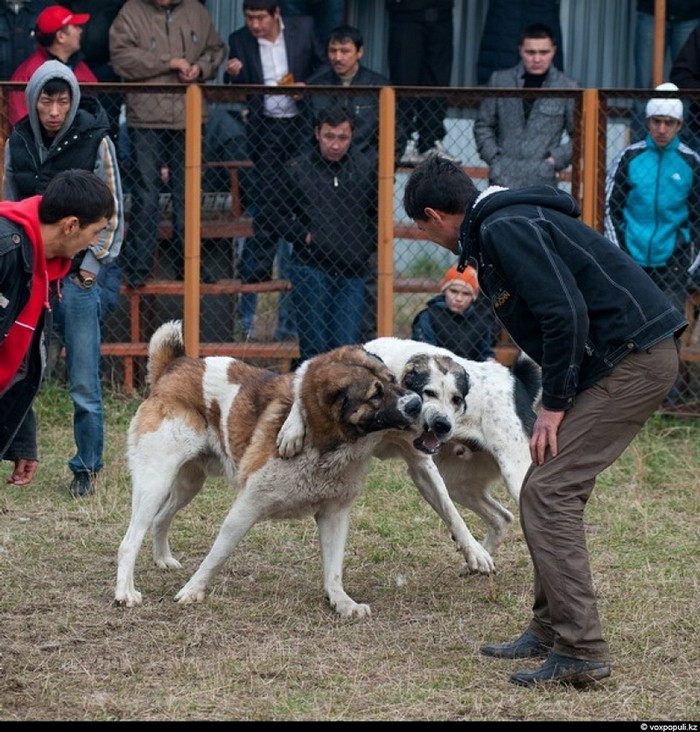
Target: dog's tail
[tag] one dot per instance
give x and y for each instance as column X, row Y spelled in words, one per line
column 528, row 389
column 166, row 345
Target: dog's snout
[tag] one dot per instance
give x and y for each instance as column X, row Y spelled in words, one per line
column 411, row 405
column 441, row 426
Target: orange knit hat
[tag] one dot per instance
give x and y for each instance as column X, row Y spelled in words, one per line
column 468, row 277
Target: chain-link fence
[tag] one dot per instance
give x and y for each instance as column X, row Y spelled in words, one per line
column 268, row 242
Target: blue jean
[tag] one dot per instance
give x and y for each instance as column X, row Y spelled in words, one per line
column 77, row 320
column 151, row 149
column 286, row 324
column 109, row 280
column 328, row 309
column 677, row 33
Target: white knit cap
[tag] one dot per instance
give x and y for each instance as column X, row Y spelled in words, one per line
column 665, row 107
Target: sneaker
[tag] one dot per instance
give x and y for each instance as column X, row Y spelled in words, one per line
column 83, row 484
column 411, row 157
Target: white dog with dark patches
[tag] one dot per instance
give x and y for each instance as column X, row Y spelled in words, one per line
column 477, row 446
column 217, row 416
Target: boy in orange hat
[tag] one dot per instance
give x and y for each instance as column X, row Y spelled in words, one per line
column 453, row 320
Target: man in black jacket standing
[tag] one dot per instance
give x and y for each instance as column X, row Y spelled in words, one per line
column 329, row 213
column 605, row 337
column 345, row 49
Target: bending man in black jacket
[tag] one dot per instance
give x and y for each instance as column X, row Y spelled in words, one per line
column 604, row 335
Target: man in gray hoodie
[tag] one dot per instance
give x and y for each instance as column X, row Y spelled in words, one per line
column 63, row 131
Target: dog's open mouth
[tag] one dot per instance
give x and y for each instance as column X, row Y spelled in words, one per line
column 428, row 442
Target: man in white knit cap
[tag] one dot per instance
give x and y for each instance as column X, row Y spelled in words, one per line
column 652, row 198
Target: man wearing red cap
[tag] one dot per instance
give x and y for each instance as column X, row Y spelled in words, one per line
column 58, row 32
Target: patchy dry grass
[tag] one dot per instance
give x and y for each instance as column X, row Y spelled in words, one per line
column 265, row 646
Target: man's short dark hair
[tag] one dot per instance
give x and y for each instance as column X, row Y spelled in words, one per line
column 76, row 193
column 440, row 184
column 57, row 86
column 267, row 5
column 45, row 39
column 537, row 30
column 343, row 33
column 334, row 116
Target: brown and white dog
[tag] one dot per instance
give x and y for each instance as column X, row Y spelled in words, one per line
column 218, row 415
column 471, row 448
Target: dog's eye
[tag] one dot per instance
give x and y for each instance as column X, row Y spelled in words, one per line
column 458, row 401
column 430, row 393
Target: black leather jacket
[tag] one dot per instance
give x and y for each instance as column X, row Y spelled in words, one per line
column 572, row 300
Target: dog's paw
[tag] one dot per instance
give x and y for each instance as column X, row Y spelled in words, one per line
column 127, row 599
column 290, row 438
column 478, row 560
column 466, row 571
column 289, row 446
column 189, row 596
column 168, row 563
column 346, row 607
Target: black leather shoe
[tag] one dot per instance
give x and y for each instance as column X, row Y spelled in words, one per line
column 83, row 484
column 528, row 645
column 563, row 670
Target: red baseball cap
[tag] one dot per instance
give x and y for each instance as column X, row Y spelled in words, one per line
column 54, row 17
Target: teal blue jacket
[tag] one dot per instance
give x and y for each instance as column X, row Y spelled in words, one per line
column 652, row 200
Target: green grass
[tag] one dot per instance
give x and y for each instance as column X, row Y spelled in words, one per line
column 265, row 646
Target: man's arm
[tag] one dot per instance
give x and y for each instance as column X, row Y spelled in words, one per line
column 562, row 154
column 292, row 223
column 110, row 240
column 241, row 65
column 617, row 189
column 9, row 189
column 213, row 52
column 485, row 126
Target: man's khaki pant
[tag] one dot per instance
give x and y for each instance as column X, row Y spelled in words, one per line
column 593, row 434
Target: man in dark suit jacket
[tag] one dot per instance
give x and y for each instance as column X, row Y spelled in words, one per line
column 345, row 49
column 272, row 51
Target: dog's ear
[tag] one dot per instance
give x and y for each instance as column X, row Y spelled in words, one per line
column 374, row 355
column 462, row 381
column 416, row 373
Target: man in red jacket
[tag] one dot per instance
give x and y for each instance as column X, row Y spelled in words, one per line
column 58, row 32
column 38, row 238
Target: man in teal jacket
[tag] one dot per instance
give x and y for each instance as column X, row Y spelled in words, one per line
column 652, row 198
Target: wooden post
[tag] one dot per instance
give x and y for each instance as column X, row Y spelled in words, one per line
column 193, row 216
column 659, row 41
column 385, row 243
column 590, row 161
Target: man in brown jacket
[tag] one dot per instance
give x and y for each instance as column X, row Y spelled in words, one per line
column 159, row 42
